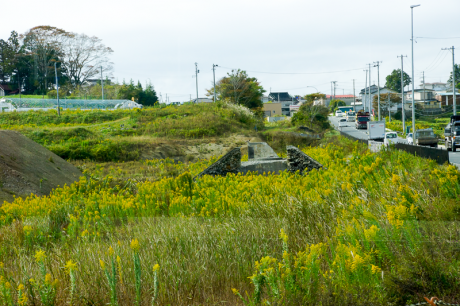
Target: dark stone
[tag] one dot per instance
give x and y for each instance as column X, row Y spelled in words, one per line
column 299, row 161
column 229, row 163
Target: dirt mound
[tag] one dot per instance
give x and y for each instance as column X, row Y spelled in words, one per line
column 26, row 167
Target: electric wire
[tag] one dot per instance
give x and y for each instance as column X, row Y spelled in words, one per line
column 293, row 72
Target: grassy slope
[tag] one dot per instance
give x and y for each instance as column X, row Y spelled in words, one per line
column 123, row 135
column 366, row 212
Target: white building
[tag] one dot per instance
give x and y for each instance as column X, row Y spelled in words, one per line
column 202, row 100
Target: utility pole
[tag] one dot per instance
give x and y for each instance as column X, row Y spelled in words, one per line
column 166, row 100
column 413, row 80
column 377, row 64
column 102, row 84
column 214, row 74
column 57, row 89
column 389, row 108
column 370, row 100
column 403, row 109
column 334, row 87
column 424, row 94
column 354, row 98
column 454, row 98
column 365, row 94
column 196, row 76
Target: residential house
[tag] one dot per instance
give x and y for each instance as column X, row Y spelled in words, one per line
column 6, row 90
column 367, row 94
column 348, row 99
column 436, row 86
column 446, row 98
column 272, row 109
column 285, row 99
column 424, row 98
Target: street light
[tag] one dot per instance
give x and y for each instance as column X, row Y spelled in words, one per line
column 314, row 88
column 413, row 86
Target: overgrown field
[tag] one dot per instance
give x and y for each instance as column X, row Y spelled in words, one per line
column 371, row 229
column 122, row 135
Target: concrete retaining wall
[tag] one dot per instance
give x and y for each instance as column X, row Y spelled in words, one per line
column 440, row 156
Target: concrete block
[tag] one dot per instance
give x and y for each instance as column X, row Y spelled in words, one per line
column 260, row 150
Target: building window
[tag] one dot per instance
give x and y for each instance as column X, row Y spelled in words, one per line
column 273, row 111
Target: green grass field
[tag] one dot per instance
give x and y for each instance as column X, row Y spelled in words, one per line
column 368, row 229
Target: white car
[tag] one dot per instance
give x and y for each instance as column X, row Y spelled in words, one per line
column 410, row 139
column 339, row 113
column 390, row 138
column 343, row 122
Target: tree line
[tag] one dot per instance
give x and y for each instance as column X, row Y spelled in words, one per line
column 29, row 63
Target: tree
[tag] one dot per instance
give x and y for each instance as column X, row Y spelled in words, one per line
column 310, row 99
column 238, row 88
column 384, row 103
column 44, row 45
column 315, row 116
column 394, row 80
column 336, row 103
column 457, row 76
column 83, row 56
column 8, row 57
column 147, row 97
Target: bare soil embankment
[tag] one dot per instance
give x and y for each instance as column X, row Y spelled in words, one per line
column 27, row 167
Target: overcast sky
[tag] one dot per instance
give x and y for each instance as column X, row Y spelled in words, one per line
column 287, row 45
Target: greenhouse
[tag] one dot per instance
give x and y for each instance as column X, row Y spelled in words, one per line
column 25, row 104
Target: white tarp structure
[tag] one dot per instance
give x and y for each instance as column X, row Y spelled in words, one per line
column 6, row 106
column 128, row 105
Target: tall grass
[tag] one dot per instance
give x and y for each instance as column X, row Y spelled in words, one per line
column 369, row 229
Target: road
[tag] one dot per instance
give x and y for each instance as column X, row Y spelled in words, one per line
column 454, row 157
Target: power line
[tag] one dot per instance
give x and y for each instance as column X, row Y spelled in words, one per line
column 293, row 72
column 438, row 37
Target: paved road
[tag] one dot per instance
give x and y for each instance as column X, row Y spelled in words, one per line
column 454, row 157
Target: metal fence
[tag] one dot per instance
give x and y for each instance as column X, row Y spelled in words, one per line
column 28, row 103
column 439, row 155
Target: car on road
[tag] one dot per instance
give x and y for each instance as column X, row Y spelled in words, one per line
column 390, row 138
column 339, row 113
column 351, row 116
column 343, row 122
column 410, row 139
column 426, row 137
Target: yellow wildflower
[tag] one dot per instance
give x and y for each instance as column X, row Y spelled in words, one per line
column 135, row 245
column 156, row 267
column 70, row 266
column 40, row 256
column 375, row 269
column 102, row 263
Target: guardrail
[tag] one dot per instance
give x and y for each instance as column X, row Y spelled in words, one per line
column 353, row 138
column 439, row 155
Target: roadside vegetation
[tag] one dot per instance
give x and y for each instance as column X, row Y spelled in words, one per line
column 122, row 135
column 370, row 228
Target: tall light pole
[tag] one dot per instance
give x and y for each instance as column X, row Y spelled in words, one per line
column 413, row 86
column 377, row 64
column 196, row 76
column 403, row 110
column 57, row 89
column 454, row 98
column 214, row 74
